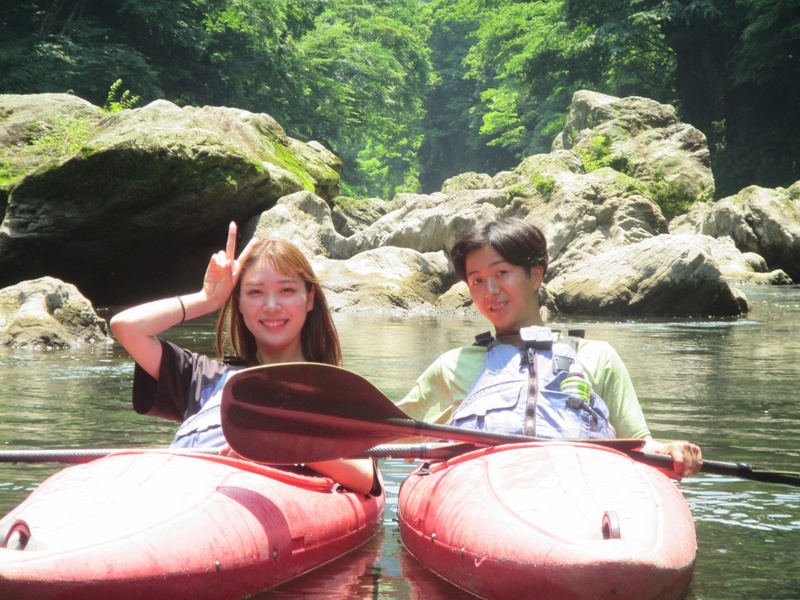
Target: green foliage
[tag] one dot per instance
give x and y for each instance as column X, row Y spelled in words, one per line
column 411, row 92
column 522, row 54
column 597, row 154
column 58, row 138
column 674, row 198
column 515, row 191
column 124, row 102
column 366, row 68
column 544, row 185
column 503, row 123
column 453, row 142
column 65, row 137
column 391, row 168
column 52, row 48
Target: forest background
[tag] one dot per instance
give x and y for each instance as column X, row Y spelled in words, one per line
column 410, row 92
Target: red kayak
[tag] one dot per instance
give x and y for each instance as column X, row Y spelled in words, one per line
column 564, row 521
column 151, row 525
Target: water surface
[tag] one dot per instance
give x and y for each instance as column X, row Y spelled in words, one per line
column 729, row 385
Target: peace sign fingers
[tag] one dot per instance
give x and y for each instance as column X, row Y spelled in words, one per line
column 243, row 257
column 230, row 247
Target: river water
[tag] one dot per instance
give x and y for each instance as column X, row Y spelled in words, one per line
column 729, row 385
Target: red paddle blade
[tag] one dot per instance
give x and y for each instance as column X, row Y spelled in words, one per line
column 304, row 412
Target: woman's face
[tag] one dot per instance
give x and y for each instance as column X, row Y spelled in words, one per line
column 274, row 307
column 502, row 292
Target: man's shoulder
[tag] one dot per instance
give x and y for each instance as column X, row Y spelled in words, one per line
column 590, row 345
column 458, row 358
column 464, row 352
column 596, row 351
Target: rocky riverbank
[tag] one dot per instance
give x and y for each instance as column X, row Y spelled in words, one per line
column 128, row 206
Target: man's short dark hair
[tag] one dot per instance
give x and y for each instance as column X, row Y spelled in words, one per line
column 517, row 241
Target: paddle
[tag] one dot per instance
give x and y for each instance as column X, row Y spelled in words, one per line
column 304, row 412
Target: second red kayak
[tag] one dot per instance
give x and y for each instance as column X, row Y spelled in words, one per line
column 565, row 521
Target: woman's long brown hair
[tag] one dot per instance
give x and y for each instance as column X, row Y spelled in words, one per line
column 319, row 338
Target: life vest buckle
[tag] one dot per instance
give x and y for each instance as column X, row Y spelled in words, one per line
column 536, row 338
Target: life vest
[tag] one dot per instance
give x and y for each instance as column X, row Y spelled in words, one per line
column 519, row 391
column 204, row 428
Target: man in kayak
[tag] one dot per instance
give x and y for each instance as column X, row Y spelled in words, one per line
column 272, row 307
column 519, row 380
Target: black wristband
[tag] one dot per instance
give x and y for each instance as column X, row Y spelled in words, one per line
column 183, row 308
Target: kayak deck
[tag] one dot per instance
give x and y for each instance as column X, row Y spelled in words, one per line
column 161, row 524
column 558, row 520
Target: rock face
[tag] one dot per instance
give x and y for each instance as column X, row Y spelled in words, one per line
column 660, row 275
column 641, row 138
column 148, row 196
column 760, row 222
column 48, row 314
column 115, row 201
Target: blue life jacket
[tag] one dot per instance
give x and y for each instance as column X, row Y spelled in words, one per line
column 516, row 395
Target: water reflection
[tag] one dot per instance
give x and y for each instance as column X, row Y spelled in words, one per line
column 730, row 385
column 749, row 508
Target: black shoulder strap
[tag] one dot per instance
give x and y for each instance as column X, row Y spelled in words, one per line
column 483, row 339
column 234, row 361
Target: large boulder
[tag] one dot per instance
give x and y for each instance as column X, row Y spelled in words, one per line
column 758, row 220
column 642, row 138
column 663, row 275
column 386, row 279
column 112, row 202
column 303, row 218
column 429, row 223
column 425, row 223
column 581, row 213
column 48, row 314
column 351, row 215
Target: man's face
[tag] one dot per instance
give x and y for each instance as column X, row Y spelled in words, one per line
column 502, row 292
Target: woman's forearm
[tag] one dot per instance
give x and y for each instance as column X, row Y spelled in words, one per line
column 354, row 474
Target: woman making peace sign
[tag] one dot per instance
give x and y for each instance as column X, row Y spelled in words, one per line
column 274, row 310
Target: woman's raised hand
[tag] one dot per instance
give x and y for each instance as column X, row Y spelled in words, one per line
column 224, row 269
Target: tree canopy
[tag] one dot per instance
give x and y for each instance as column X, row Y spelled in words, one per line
column 410, row 92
